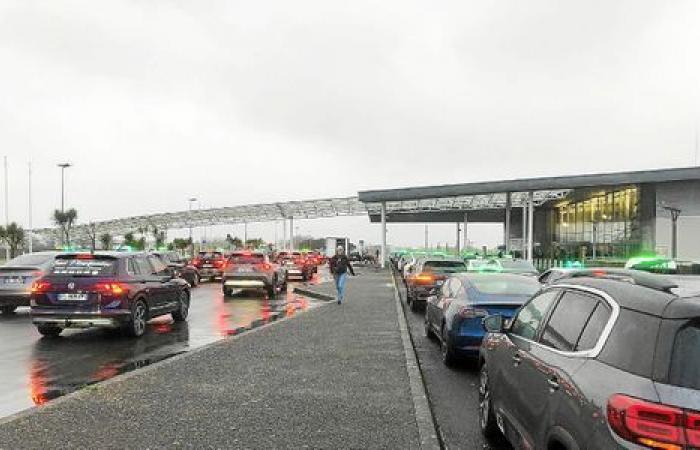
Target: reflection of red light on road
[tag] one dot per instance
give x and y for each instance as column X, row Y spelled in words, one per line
column 106, row 371
column 37, row 383
column 162, row 328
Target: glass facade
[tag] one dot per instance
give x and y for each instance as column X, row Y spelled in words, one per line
column 605, row 223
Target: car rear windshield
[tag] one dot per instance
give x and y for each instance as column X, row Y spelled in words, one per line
column 247, row 259
column 29, row 260
column 685, row 363
column 520, row 266
column 210, row 255
column 444, row 266
column 496, row 285
column 96, row 267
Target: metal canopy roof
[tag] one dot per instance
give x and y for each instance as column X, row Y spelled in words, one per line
column 531, row 184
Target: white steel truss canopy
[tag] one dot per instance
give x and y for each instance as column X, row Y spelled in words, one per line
column 309, row 209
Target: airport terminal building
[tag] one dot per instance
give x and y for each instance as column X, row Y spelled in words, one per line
column 612, row 216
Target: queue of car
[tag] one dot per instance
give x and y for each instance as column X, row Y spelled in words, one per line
column 124, row 290
column 574, row 358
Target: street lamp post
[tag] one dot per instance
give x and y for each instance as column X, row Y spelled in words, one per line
column 675, row 212
column 189, row 217
column 63, row 167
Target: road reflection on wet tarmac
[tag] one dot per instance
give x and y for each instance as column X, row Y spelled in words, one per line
column 35, row 370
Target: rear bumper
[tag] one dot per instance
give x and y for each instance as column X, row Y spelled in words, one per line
column 295, row 272
column 247, row 280
column 421, row 293
column 14, row 298
column 209, row 272
column 113, row 319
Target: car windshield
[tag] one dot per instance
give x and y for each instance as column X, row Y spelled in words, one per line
column 95, row 267
column 685, row 365
column 210, row 255
column 30, row 260
column 502, row 285
column 444, row 266
column 518, row 266
column 247, row 259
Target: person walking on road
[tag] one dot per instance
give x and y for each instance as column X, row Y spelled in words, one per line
column 340, row 265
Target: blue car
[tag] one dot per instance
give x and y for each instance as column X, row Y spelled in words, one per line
column 455, row 314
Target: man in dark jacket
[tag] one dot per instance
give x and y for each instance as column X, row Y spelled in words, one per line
column 340, row 265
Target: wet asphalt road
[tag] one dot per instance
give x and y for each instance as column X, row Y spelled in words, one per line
column 453, row 392
column 35, row 370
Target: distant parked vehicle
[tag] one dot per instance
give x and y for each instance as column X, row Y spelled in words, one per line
column 595, row 362
column 17, row 276
column 253, row 270
column 180, row 266
column 209, row 264
column 455, row 314
column 107, row 290
column 429, row 275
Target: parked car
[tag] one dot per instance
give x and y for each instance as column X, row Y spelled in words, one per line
column 595, row 362
column 253, row 270
column 209, row 264
column 107, row 289
column 428, row 275
column 296, row 266
column 455, row 314
column 17, row 276
column 180, row 266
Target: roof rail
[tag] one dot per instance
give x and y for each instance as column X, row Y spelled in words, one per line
column 638, row 277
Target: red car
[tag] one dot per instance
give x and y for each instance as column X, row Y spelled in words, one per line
column 211, row 265
column 297, row 266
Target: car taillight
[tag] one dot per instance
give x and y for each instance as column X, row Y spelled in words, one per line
column 266, row 266
column 219, row 263
column 41, row 286
column 196, row 262
column 653, row 424
column 110, row 287
column 467, row 312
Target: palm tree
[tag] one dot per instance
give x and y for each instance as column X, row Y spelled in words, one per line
column 13, row 236
column 159, row 237
column 106, row 241
column 65, row 220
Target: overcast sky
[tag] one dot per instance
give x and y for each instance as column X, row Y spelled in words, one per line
column 239, row 102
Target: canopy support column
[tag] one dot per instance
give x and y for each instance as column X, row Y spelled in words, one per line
column 383, row 255
column 506, row 227
column 530, row 224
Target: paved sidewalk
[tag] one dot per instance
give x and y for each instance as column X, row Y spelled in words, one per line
column 334, row 377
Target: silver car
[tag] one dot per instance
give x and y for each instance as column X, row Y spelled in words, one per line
column 17, row 276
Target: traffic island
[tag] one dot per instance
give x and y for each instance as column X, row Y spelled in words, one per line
column 334, row 377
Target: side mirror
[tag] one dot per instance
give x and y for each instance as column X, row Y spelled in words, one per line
column 494, row 323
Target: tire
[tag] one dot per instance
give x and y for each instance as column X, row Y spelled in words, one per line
column 195, row 280
column 428, row 330
column 7, row 310
column 136, row 327
column 183, row 310
column 487, row 419
column 49, row 331
column 415, row 306
column 448, row 353
column 228, row 292
column 271, row 290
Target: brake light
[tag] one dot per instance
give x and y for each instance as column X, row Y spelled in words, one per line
column 40, row 286
column 110, row 288
column 219, row 263
column 467, row 312
column 196, row 262
column 653, row 424
column 84, row 256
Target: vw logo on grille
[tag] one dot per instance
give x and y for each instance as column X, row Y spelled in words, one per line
column 71, row 285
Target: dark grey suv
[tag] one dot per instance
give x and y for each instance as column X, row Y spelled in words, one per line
column 597, row 363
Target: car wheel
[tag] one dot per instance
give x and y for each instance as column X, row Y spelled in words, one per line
column 448, row 353
column 183, row 310
column 227, row 292
column 8, row 309
column 487, row 420
column 427, row 329
column 195, row 280
column 136, row 326
column 50, row 331
column 271, row 290
column 415, row 306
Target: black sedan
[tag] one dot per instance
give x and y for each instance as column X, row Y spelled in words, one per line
column 595, row 362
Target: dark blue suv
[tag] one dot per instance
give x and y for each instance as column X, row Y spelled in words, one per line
column 596, row 362
column 107, row 289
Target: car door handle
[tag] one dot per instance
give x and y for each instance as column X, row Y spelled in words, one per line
column 553, row 383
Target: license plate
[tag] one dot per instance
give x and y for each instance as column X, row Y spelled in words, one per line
column 207, row 266
column 244, row 269
column 439, row 282
column 72, row 297
column 14, row 281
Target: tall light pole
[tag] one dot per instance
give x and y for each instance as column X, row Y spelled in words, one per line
column 189, row 217
column 31, row 237
column 674, row 212
column 63, row 167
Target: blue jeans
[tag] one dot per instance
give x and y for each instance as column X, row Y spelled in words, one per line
column 340, row 285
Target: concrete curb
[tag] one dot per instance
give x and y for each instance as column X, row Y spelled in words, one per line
column 314, row 294
column 427, row 429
